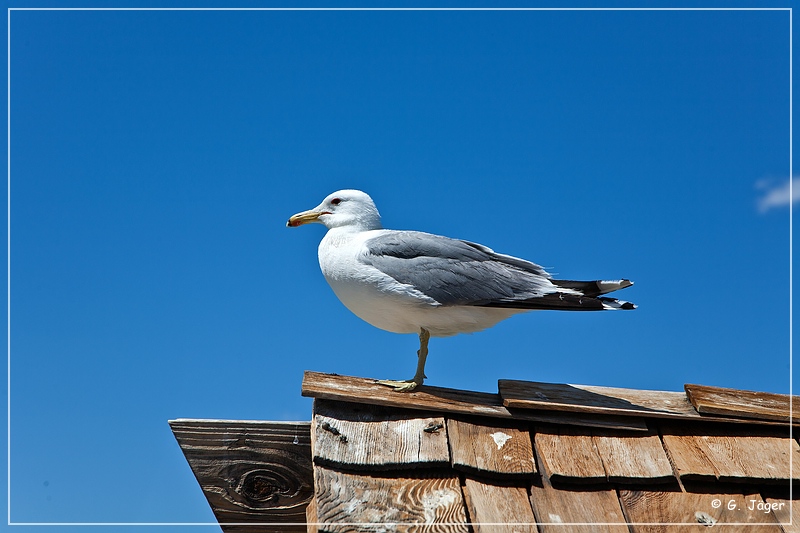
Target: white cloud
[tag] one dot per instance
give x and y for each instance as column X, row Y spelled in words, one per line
column 778, row 194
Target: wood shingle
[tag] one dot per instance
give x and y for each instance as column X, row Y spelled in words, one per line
column 501, row 508
column 653, row 511
column 586, row 511
column 364, row 437
column 569, row 454
column 492, row 449
column 350, row 502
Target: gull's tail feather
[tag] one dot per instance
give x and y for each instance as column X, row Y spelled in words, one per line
column 613, row 303
column 578, row 296
column 593, row 288
column 560, row 301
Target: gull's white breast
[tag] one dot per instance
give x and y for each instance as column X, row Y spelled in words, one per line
column 382, row 301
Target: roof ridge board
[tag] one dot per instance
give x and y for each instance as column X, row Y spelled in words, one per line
column 564, row 396
column 449, row 401
column 739, row 403
column 597, row 400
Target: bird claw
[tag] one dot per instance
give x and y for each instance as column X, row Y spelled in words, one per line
column 400, row 386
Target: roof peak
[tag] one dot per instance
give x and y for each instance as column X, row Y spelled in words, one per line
column 589, row 405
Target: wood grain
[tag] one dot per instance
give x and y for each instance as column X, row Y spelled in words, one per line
column 568, row 454
column 604, row 401
column 787, row 513
column 250, row 472
column 667, row 512
column 357, row 436
column 311, row 516
column 595, row 511
column 737, row 458
column 744, row 403
column 492, row 449
column 349, row 502
column 496, row 508
column 688, row 458
column 447, row 401
column 637, row 459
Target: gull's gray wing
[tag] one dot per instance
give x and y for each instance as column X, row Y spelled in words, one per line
column 455, row 272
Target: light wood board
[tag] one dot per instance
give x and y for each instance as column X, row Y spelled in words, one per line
column 491, row 449
column 634, row 459
column 496, row 508
column 737, row 458
column 787, row 513
column 595, row 511
column 349, row 502
column 667, row 512
column 743, row 403
column 568, row 454
column 355, row 436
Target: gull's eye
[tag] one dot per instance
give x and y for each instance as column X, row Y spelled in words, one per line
column 336, row 201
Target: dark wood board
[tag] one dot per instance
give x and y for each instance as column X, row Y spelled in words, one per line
column 251, row 472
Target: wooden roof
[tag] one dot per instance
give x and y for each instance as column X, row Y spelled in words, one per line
column 533, row 457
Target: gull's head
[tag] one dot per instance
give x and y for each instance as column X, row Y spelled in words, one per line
column 342, row 208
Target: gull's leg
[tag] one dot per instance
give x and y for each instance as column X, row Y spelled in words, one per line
column 419, row 377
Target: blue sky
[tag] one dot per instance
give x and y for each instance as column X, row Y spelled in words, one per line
column 155, row 158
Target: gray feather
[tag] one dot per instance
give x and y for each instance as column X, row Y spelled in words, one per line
column 455, row 272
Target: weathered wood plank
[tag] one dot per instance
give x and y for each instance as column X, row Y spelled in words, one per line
column 495, row 508
column 568, row 454
column 743, row 403
column 250, row 472
column 731, row 457
column 579, row 455
column 349, row 502
column 590, row 399
column 754, row 458
column 688, row 459
column 357, row 436
column 491, row 449
column 596, row 511
column 666, row 512
column 786, row 512
column 633, row 459
column 449, row 401
column 605, row 401
column 311, row 516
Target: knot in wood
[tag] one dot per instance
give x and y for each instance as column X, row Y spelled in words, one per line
column 264, row 486
column 433, row 427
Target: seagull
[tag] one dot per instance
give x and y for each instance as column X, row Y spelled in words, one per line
column 430, row 285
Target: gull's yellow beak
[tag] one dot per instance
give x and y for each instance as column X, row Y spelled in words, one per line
column 306, row 217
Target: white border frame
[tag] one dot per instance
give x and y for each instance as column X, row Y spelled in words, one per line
column 370, row 524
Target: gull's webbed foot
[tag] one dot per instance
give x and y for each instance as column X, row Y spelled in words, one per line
column 401, row 386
